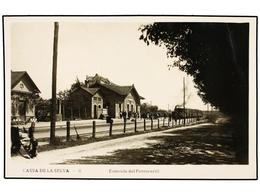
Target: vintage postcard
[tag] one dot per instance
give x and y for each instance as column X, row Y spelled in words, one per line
column 130, row 97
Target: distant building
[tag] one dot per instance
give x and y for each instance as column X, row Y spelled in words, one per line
column 24, row 93
column 116, row 98
column 100, row 96
column 87, row 103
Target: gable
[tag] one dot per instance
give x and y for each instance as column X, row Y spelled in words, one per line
column 130, row 96
column 22, row 86
column 133, row 95
column 98, row 95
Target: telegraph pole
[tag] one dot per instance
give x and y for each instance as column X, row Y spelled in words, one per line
column 54, row 83
column 184, row 100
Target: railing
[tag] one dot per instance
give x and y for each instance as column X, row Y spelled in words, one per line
column 125, row 127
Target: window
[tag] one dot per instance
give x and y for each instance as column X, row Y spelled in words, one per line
column 99, row 99
column 95, row 98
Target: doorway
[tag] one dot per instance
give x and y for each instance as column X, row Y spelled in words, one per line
column 22, row 110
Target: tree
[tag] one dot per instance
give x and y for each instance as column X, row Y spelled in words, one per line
column 148, row 108
column 76, row 84
column 74, row 102
column 215, row 54
column 42, row 109
column 64, row 97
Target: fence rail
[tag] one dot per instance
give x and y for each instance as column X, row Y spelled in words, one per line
column 95, row 130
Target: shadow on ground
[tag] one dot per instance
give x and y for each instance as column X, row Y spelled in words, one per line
column 208, row 144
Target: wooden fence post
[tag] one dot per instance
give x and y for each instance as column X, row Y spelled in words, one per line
column 94, row 129
column 151, row 124
column 158, row 123
column 110, row 128
column 168, row 121
column 135, row 126
column 163, row 121
column 124, row 125
column 68, row 131
column 144, row 125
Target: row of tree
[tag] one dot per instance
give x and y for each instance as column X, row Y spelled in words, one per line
column 149, row 110
column 216, row 55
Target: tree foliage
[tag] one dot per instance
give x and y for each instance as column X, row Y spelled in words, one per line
column 72, row 100
column 215, row 54
column 148, row 108
column 64, row 95
column 76, row 84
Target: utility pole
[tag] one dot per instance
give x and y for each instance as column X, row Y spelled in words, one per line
column 54, row 83
column 184, row 100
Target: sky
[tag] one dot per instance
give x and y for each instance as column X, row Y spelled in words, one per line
column 111, row 49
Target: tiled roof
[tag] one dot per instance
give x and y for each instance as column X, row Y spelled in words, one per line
column 121, row 90
column 16, row 76
column 92, row 91
column 98, row 80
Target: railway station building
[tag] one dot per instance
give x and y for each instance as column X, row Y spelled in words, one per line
column 107, row 98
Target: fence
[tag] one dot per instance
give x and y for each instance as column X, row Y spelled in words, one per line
column 96, row 130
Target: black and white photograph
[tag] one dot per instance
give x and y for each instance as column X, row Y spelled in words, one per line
column 131, row 97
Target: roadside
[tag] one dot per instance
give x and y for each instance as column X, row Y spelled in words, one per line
column 82, row 139
column 199, row 144
column 58, row 154
column 196, row 144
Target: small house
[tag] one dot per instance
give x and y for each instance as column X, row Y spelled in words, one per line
column 24, row 94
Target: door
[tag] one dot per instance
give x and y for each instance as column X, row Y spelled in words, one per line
column 22, row 110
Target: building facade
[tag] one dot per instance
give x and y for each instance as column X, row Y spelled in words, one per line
column 24, row 94
column 116, row 99
column 98, row 97
column 86, row 103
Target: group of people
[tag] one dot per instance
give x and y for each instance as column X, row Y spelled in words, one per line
column 23, row 141
column 128, row 115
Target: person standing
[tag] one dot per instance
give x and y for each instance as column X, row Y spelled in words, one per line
column 33, row 142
